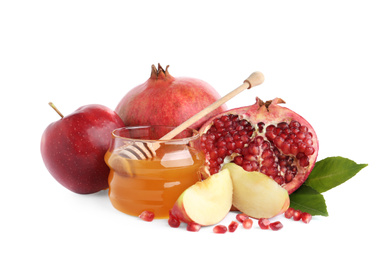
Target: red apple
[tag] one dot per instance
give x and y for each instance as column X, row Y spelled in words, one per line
column 73, row 148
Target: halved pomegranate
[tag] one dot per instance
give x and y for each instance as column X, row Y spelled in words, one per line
column 263, row 137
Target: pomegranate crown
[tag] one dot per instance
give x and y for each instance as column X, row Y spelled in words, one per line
column 275, row 101
column 160, row 73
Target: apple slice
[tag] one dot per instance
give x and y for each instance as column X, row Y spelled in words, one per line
column 206, row 202
column 256, row 194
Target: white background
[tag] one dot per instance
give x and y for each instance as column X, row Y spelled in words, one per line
column 329, row 60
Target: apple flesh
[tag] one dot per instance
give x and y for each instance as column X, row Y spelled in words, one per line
column 206, row 202
column 256, row 194
column 73, row 148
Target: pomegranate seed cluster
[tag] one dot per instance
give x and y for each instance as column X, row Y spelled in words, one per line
column 277, row 150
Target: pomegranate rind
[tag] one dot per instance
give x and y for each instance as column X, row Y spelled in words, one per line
column 271, row 113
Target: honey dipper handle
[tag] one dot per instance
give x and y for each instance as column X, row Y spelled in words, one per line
column 255, row 79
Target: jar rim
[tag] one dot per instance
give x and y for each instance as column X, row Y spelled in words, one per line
column 195, row 134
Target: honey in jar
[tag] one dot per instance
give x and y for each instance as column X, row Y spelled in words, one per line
column 141, row 183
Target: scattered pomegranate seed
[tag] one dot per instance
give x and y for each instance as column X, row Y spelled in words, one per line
column 289, row 213
column 247, row 223
column 233, row 226
column 220, row 229
column 297, row 215
column 264, row 223
column 173, row 221
column 241, row 217
column 275, row 226
column 306, row 217
column 193, row 227
column 147, row 216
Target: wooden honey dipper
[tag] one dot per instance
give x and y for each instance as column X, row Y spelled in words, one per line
column 140, row 150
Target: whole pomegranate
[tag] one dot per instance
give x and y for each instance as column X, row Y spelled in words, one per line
column 166, row 100
column 263, row 137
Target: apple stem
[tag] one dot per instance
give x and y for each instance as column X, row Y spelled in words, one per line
column 55, row 108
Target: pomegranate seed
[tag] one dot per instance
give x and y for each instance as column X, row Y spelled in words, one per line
column 147, row 216
column 247, row 166
column 220, row 229
column 278, row 141
column 289, row 213
column 241, row 217
column 309, row 150
column 247, row 223
column 193, row 227
column 306, row 217
column 272, row 171
column 245, row 138
column 267, row 153
column 294, row 149
column 221, row 143
column 222, row 151
column 301, row 135
column 239, row 144
column 214, row 170
column 238, row 160
column 265, row 145
column 224, row 118
column 233, row 226
column 250, row 157
column 297, row 215
column 270, row 134
column 253, row 149
column 231, row 145
column 301, row 148
column 286, row 148
column 173, row 221
column 275, row 226
column 258, row 140
column 214, row 154
column 304, row 161
column 236, row 136
column 268, row 161
column 295, row 124
column 264, row 223
column 218, row 124
column 260, row 126
column 308, row 141
column 289, row 177
column 255, row 166
column 279, row 180
column 283, row 125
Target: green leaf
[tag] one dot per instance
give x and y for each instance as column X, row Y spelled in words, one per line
column 331, row 172
column 308, row 200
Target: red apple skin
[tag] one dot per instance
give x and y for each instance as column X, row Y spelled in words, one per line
column 73, row 148
column 179, row 211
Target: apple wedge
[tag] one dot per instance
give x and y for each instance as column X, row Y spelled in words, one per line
column 256, row 194
column 206, row 202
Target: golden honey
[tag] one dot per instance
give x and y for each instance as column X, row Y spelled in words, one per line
column 152, row 184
